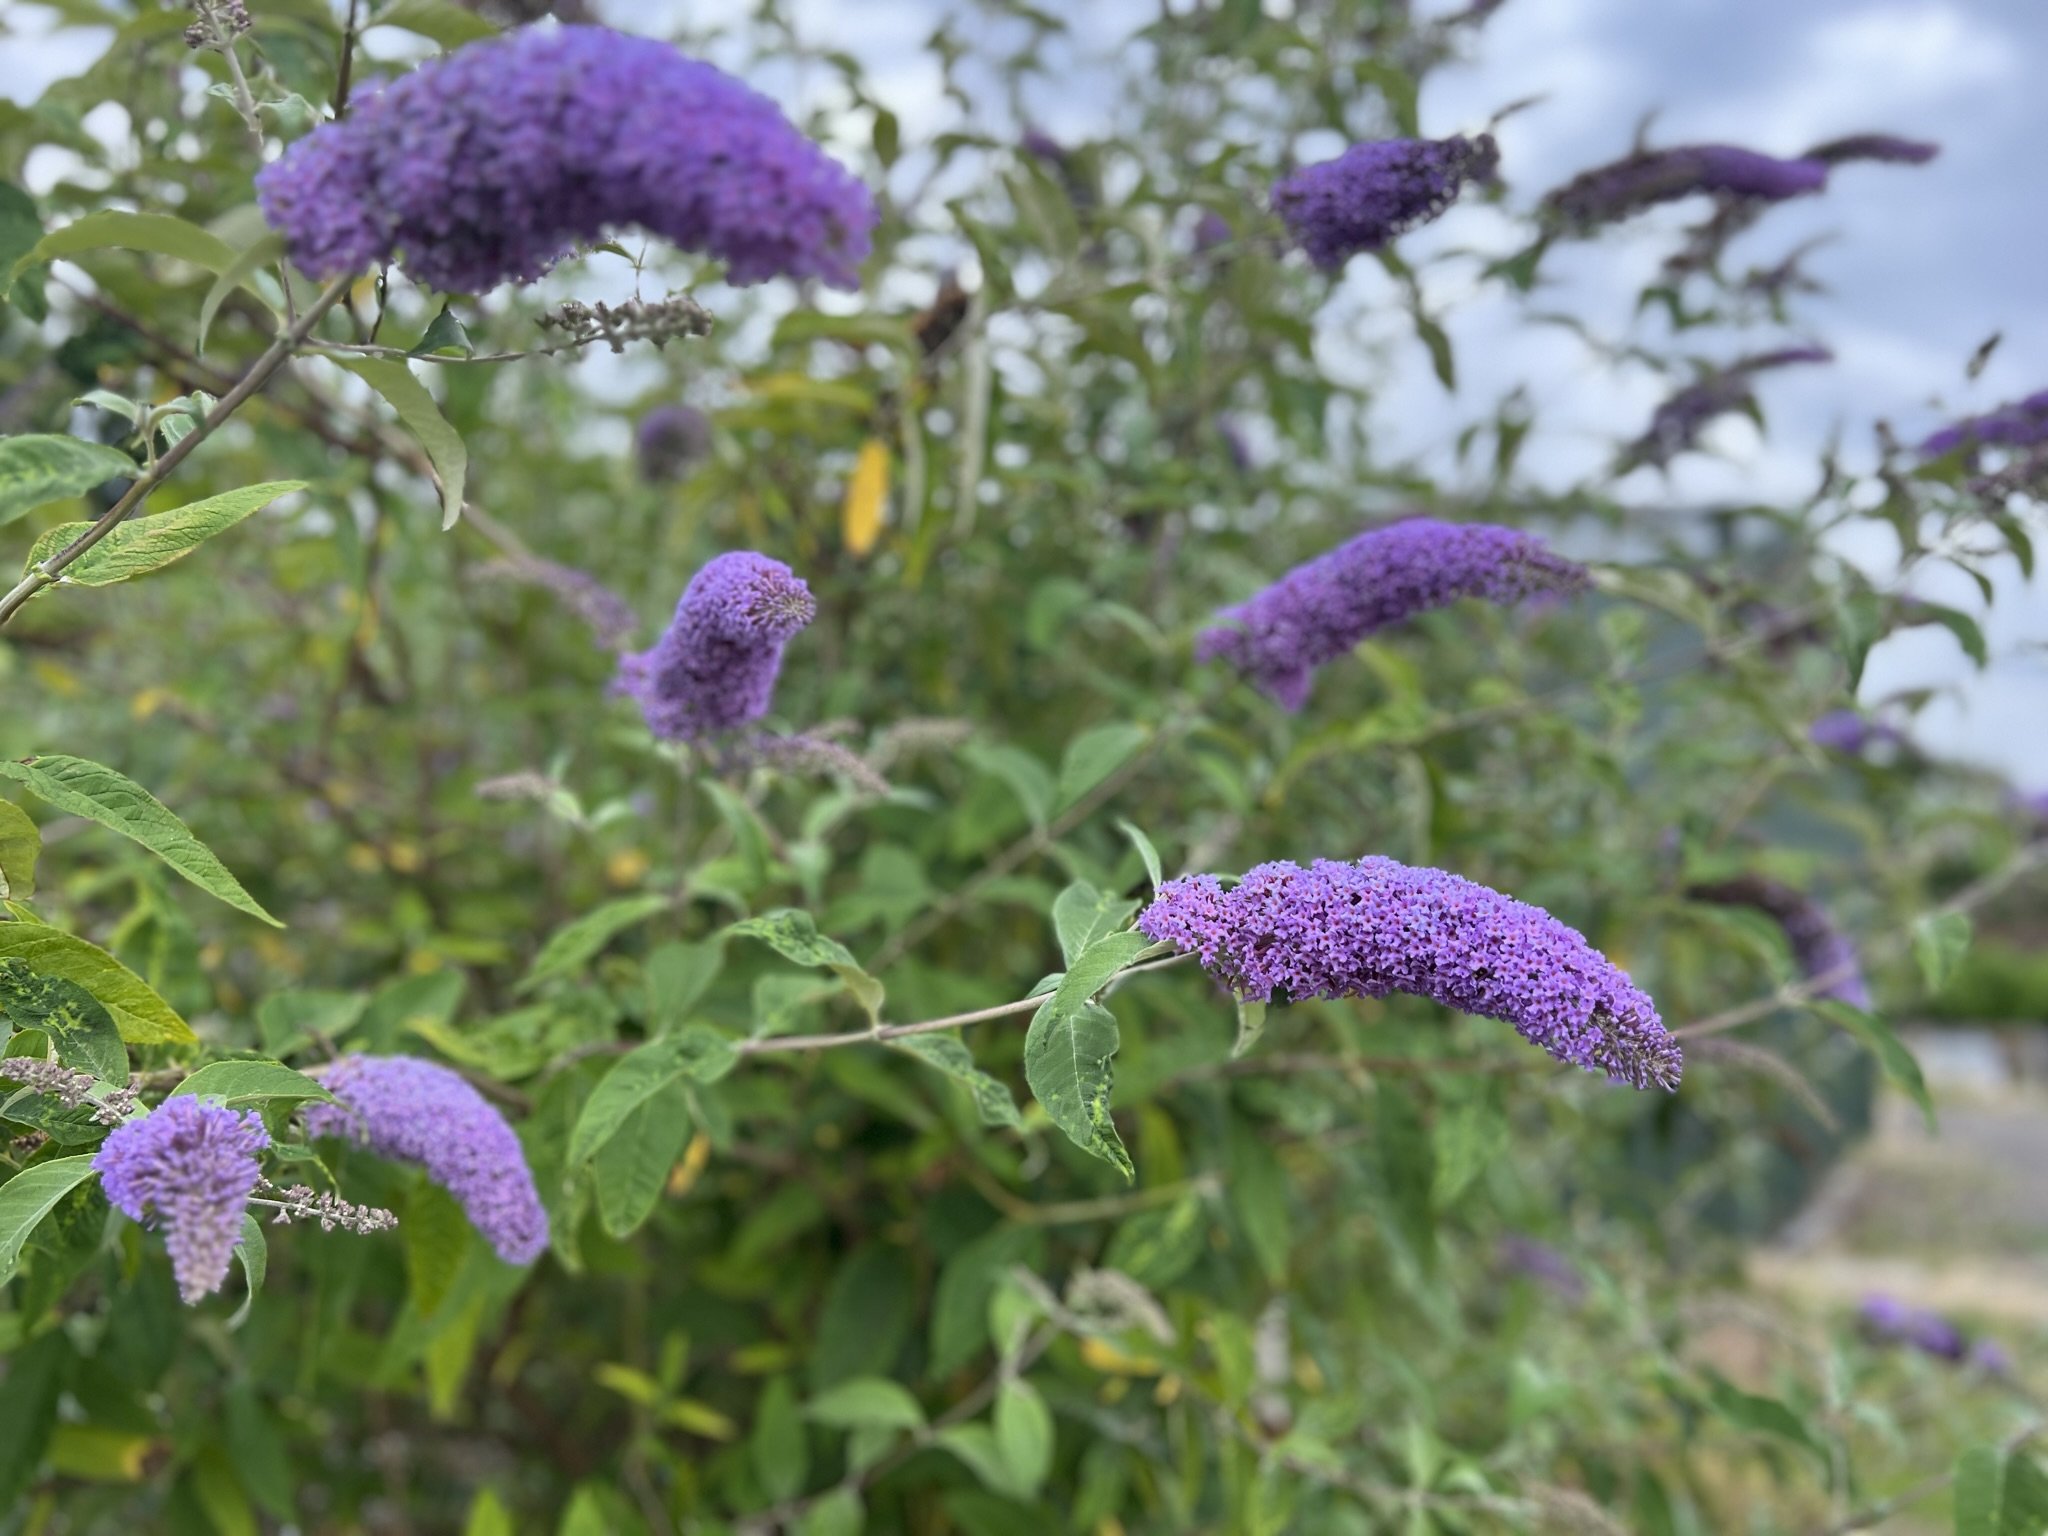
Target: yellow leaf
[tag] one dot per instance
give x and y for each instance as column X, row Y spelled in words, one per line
column 1101, row 1355
column 99, row 1455
column 683, row 1177
column 626, row 868
column 867, row 498
column 699, row 1419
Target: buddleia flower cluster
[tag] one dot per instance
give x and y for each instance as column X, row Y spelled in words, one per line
column 714, row 668
column 1821, row 950
column 492, row 163
column 1610, row 193
column 1321, row 609
column 2019, row 424
column 1376, row 191
column 188, row 1167
column 1377, row 926
column 1679, row 421
column 417, row 1111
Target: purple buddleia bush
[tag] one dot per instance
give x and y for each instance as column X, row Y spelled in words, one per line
column 1319, row 610
column 489, row 165
column 2020, row 424
column 1376, row 191
column 1610, row 193
column 714, row 668
column 1821, row 950
column 417, row 1111
column 189, row 1167
column 1679, row 421
column 1379, row 926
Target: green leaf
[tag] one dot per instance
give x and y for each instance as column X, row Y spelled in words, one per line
column 239, row 273
column 632, row 1167
column 1860, row 618
column 633, row 1079
column 422, row 417
column 840, row 1512
column 31, row 1195
column 1067, row 1055
column 44, row 467
column 142, row 1017
column 1093, row 756
column 779, row 1449
column 439, row 21
column 1899, row 1063
column 1761, row 1415
column 1024, row 1435
column 1081, row 914
column 1251, row 1023
column 1999, row 1493
column 35, row 1380
column 1940, row 940
column 20, row 843
column 436, row 1236
column 252, row 1248
column 975, row 1444
column 1969, row 634
column 21, row 226
column 1154, row 871
column 445, row 337
column 145, row 544
column 677, row 976
column 1100, row 961
column 488, row 1516
column 237, row 1083
column 793, row 935
column 866, row 1402
column 106, row 400
column 81, row 1030
column 1027, row 777
column 113, row 800
column 160, row 234
column 950, row 1055
column 576, row 944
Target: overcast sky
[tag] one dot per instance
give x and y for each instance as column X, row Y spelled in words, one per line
column 1928, row 261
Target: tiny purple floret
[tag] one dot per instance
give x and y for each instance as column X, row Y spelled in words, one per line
column 1376, row 191
column 714, row 668
column 189, row 1166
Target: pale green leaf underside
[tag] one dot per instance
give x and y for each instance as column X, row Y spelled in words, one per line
column 146, row 544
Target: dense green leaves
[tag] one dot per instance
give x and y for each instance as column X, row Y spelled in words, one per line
column 145, row 544
column 80, row 1030
column 574, row 946
column 20, row 843
column 31, row 1195
column 42, row 468
column 794, row 936
column 252, row 1082
column 142, row 1017
column 1999, row 1492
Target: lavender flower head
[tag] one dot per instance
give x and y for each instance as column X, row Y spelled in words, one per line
column 1378, row 926
column 1679, row 421
column 490, row 164
column 1885, row 148
column 1375, row 191
column 1894, row 1322
column 1821, row 950
column 715, row 666
column 189, row 1164
column 1319, row 610
column 669, row 440
column 1610, row 193
column 417, row 1111
column 2021, row 424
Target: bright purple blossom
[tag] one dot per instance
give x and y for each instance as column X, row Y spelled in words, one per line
column 189, row 1165
column 1609, row 193
column 1378, row 926
column 1822, row 951
column 1679, row 421
column 1885, row 148
column 490, row 164
column 1893, row 1321
column 670, row 440
column 1319, row 610
column 417, row 1111
column 2021, row 424
column 715, row 666
column 1375, row 191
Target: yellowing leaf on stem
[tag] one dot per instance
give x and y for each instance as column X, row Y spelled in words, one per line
column 867, row 498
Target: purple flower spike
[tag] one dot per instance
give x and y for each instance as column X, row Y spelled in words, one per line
column 1679, row 421
column 490, row 164
column 715, row 666
column 1894, row 1322
column 1881, row 147
column 2022, row 424
column 1820, row 949
column 189, row 1164
column 669, row 440
column 1613, row 192
column 1845, row 731
column 1373, row 192
column 417, row 1111
column 1319, row 610
column 1378, row 926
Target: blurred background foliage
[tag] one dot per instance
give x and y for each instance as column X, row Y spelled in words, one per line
column 1390, row 1270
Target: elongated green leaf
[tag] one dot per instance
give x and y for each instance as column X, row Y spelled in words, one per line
column 31, row 1195
column 81, row 1030
column 142, row 1017
column 866, row 1402
column 778, row 1448
column 793, row 935
column 1899, row 1063
column 1101, row 960
column 576, row 944
column 239, row 273
column 634, row 1079
column 1762, row 1415
column 439, row 21
column 949, row 1054
column 840, row 1512
column 422, row 417
column 1024, row 1434
column 20, row 842
column 1067, row 1055
column 253, row 1249
column 1093, row 756
column 160, row 234
column 113, row 800
column 146, row 544
column 1999, row 1493
column 437, row 1237
column 238, row 1083
column 1251, row 1023
column 1081, row 914
column 1940, row 940
column 632, row 1167
column 44, row 467
column 1148, row 854
column 21, row 226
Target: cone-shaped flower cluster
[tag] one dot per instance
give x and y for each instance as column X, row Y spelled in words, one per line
column 1378, row 926
column 1375, row 191
column 715, row 666
column 416, row 1111
column 489, row 165
column 1610, row 193
column 1319, row 610
column 188, row 1166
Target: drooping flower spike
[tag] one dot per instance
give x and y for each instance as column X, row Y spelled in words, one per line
column 417, row 1111
column 490, row 164
column 714, row 668
column 1679, row 421
column 1884, row 148
column 1376, row 191
column 1624, row 188
column 188, row 1166
column 1319, row 610
column 1822, row 951
column 1379, row 926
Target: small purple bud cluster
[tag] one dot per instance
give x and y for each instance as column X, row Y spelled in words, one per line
column 1376, row 191
column 189, row 1165
column 69, row 1087
column 490, row 164
column 1823, row 953
column 1319, row 610
column 1610, row 193
column 669, row 441
column 714, row 669
column 2022, row 424
column 417, row 1111
column 1891, row 1321
column 1378, row 926
column 1679, row 421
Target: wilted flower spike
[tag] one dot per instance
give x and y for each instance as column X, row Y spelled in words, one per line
column 490, row 164
column 1319, row 610
column 188, row 1166
column 1376, row 191
column 417, row 1111
column 1378, row 926
column 715, row 667
column 1884, row 148
column 1616, row 191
